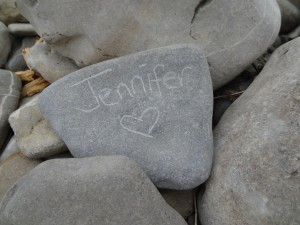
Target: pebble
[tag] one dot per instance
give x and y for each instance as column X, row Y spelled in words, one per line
column 50, row 64
column 16, row 61
column 99, row 190
column 22, row 29
column 154, row 106
column 35, row 138
column 5, row 44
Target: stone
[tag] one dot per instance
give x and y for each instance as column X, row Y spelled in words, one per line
column 10, row 87
column 22, row 29
column 181, row 201
column 35, row 138
column 50, row 64
column 12, row 169
column 290, row 16
column 16, row 61
column 10, row 149
column 138, row 27
column 154, row 107
column 255, row 176
column 9, row 12
column 5, row 44
column 101, row 190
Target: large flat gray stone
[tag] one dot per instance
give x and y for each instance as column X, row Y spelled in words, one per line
column 255, row 178
column 232, row 33
column 154, row 106
column 10, row 87
column 98, row 190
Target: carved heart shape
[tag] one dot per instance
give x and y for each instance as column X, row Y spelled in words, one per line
column 142, row 125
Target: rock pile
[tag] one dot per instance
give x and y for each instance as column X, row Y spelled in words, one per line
column 150, row 112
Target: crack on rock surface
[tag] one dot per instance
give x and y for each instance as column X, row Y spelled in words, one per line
column 200, row 5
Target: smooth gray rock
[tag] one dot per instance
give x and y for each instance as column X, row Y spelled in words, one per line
column 100, row 190
column 5, row 44
column 290, row 16
column 16, row 61
column 12, row 169
column 10, row 87
column 22, row 29
column 50, row 64
column 35, row 138
column 154, row 106
column 255, row 177
column 233, row 34
column 9, row 12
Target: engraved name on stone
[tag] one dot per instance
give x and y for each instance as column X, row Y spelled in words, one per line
column 150, row 85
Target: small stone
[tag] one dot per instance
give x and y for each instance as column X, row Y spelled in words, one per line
column 154, row 107
column 12, row 169
column 16, row 61
column 10, row 149
column 51, row 65
column 5, row 44
column 181, row 201
column 9, row 12
column 290, row 16
column 35, row 137
column 99, row 190
column 232, row 34
column 22, row 29
column 255, row 178
column 10, row 86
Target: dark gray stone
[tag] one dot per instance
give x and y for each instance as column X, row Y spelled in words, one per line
column 22, row 29
column 10, row 87
column 255, row 177
column 16, row 61
column 99, row 190
column 154, row 106
column 290, row 16
column 5, row 44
